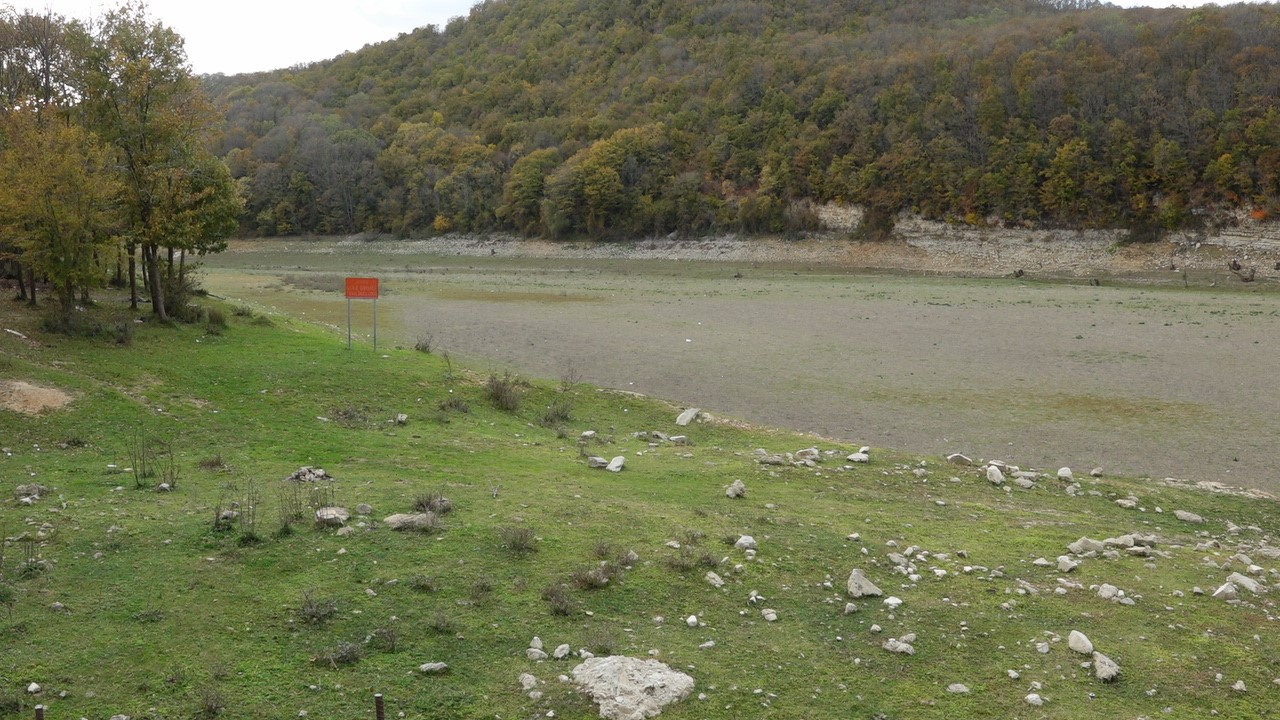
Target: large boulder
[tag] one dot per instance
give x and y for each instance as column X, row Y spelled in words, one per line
column 860, row 586
column 688, row 416
column 332, row 516
column 628, row 688
column 426, row 521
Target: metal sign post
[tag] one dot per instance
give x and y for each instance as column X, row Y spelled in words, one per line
column 361, row 288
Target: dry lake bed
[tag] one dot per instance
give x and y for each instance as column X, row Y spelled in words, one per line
column 1138, row 379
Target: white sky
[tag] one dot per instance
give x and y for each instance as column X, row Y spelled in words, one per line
column 234, row 36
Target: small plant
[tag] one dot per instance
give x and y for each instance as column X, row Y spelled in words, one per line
column 518, row 540
column 344, row 653
column 384, row 638
column 691, row 537
column 249, row 516
column 433, row 501
column 481, row 588
column 570, row 378
column 217, row 321
column 424, row 583
column 349, row 416
column 602, row 550
column 601, row 640
column 214, row 463
column 593, row 578
column 212, row 702
column 425, row 343
column 559, row 600
column 455, row 403
column 124, row 333
column 317, row 611
column 242, row 311
column 557, row 414
column 504, row 392
column 291, row 508
column 687, row 559
column 441, row 624
column 148, row 616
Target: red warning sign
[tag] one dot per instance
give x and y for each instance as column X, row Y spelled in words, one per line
column 362, row 288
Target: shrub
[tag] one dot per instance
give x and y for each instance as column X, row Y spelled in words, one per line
column 593, row 578
column 317, row 611
column 559, row 600
column 557, row 413
column 433, row 502
column 344, row 653
column 601, row 640
column 518, row 540
column 425, row 343
column 214, row 462
column 424, row 583
column 441, row 624
column 217, row 321
column 504, row 392
column 384, row 638
column 455, row 403
column 481, row 588
column 212, row 701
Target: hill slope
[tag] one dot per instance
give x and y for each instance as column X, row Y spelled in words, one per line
column 567, row 118
column 124, row 599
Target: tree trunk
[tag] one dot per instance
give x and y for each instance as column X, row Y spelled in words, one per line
column 31, row 280
column 22, row 282
column 133, row 278
column 151, row 265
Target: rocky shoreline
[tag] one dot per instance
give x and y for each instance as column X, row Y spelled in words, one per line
column 917, row 246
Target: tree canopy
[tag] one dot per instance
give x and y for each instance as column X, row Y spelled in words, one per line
column 574, row 118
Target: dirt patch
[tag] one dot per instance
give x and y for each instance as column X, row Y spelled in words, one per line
column 29, row 399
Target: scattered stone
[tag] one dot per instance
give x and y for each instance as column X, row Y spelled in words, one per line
column 591, row 435
column 536, row 643
column 528, row 682
column 811, row 454
column 34, row 688
column 1128, row 503
column 897, row 646
column 364, row 509
column 958, row 459
column 859, row 457
column 688, row 416
column 893, row 602
column 434, row 668
column 958, row 688
column 1239, row 686
column 1023, row 482
column 402, row 419
column 769, row 615
column 707, row 645
column 535, row 654
column 1226, row 591
column 412, row 521
column 994, row 476
column 1013, row 674
column 850, row 608
column 1065, row 474
column 615, row 465
column 307, row 474
column 746, row 542
column 629, row 688
column 34, row 491
column 714, row 579
column 691, row 621
column 562, row 651
column 679, row 440
column 860, row 586
column 1086, row 545
column 1104, row 668
column 597, row 462
column 1034, row 700
column 332, row 516
column 1066, row 564
column 771, row 460
column 1080, row 642
column 736, row 490
column 1096, row 472
column 1247, row 583
column 1190, row 517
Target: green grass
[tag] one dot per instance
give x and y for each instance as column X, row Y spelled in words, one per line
column 167, row 616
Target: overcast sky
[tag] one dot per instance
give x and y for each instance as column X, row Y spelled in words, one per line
column 233, row 36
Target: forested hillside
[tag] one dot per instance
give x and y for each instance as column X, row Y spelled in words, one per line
column 568, row 118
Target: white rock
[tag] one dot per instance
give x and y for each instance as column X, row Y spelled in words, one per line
column 629, row 688
column 1247, row 583
column 850, row 608
column 1226, row 591
column 736, row 490
column 34, row 688
column 707, row 645
column 958, row 688
column 434, row 668
column 1086, row 545
column 994, row 475
column 535, row 654
column 595, row 461
column 1013, row 674
column 691, row 621
column 1080, row 642
column 769, row 615
column 332, row 516
column 411, row 521
column 1033, row 700
column 615, row 465
column 746, row 542
column 536, row 643
column 859, row 586
column 958, row 459
column 715, row 579
column 1104, row 668
column 893, row 602
column 859, row 457
column 1065, row 474
column 688, row 416
column 896, row 646
column 1066, row 564
column 528, row 682
column 1190, row 517
column 1239, row 686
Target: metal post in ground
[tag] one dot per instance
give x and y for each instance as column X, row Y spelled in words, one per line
column 39, row 712
column 379, row 711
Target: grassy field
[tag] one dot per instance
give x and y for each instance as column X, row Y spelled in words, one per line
column 122, row 599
